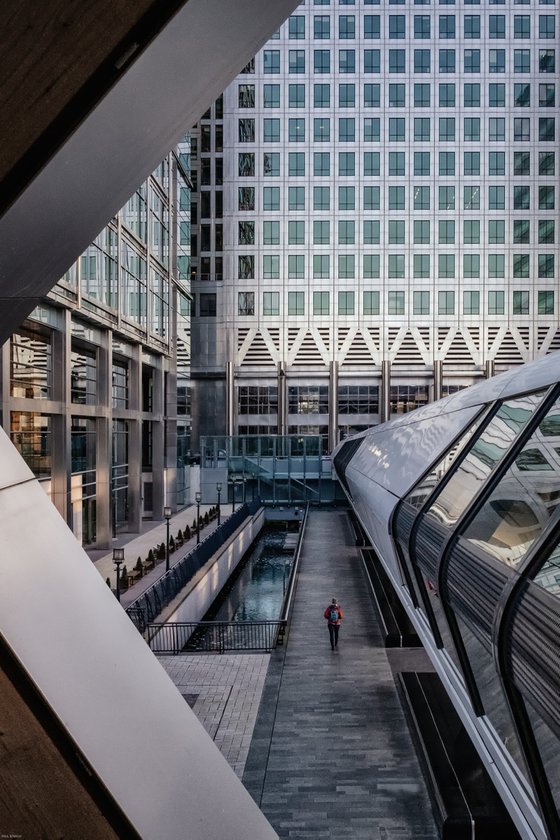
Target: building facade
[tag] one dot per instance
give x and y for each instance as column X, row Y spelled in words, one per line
column 90, row 381
column 376, row 211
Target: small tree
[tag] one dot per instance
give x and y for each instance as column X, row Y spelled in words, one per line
column 206, row 518
column 194, row 525
column 161, row 552
column 171, row 544
column 108, row 582
column 187, row 533
column 139, row 567
column 151, row 557
column 124, row 578
column 200, row 522
column 180, row 536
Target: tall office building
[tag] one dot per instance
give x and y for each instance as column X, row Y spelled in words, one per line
column 94, row 392
column 376, row 214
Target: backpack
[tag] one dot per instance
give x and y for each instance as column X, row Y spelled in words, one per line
column 333, row 614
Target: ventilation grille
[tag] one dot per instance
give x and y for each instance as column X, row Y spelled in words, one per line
column 258, row 353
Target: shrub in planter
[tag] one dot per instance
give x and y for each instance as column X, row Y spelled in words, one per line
column 171, row 544
column 187, row 533
column 139, row 567
column 161, row 552
column 206, row 519
column 180, row 537
column 194, row 525
column 124, row 578
column 108, row 582
column 151, row 558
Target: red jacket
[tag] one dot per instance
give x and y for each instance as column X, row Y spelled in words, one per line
column 327, row 614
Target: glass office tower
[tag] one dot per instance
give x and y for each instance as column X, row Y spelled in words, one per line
column 376, row 214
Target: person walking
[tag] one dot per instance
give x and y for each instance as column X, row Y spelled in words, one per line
column 334, row 616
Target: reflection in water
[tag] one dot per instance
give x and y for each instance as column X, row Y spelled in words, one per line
column 257, row 591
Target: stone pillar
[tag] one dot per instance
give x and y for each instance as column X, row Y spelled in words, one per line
column 230, row 400
column 438, row 379
column 333, row 405
column 385, row 392
column 489, row 368
column 282, row 399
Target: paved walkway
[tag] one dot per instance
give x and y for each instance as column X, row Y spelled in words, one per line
column 331, row 755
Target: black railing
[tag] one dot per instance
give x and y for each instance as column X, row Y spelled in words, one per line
column 145, row 609
column 289, row 596
column 212, row 636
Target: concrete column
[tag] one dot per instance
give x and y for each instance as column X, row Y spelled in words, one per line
column 489, row 368
column 230, row 400
column 438, row 378
column 135, row 474
column 385, row 392
column 61, row 465
column 282, row 399
column 333, row 405
column 103, row 482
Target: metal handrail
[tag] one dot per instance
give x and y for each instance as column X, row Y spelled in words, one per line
column 172, row 638
column 288, row 599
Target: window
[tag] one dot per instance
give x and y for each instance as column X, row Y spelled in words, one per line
column 520, row 303
column 447, row 128
column 497, row 26
column 347, row 198
column 471, row 231
column 446, row 265
column 372, row 61
column 246, row 96
column 447, row 61
column 296, row 232
column 372, row 128
column 321, row 163
column 545, row 303
column 395, row 303
column 396, row 164
column 547, row 61
column 447, row 163
column 496, row 231
column 547, row 95
column 496, row 266
column 296, row 27
column 546, row 26
column 371, row 198
column 271, row 233
column 396, row 95
column 546, row 232
column 496, row 129
column 546, row 198
column 346, row 95
column 321, row 61
column 296, row 267
column 446, row 232
column 421, row 26
column 347, row 61
column 546, row 266
column 421, row 232
column 397, row 26
column 245, row 303
column 296, row 130
column 446, row 303
column 321, row 26
column 471, row 303
column 471, row 265
column 496, row 198
column 447, row 26
column 472, row 95
column 296, row 303
column 271, row 61
column 521, row 129
column 421, row 198
column 496, row 163
column 446, row 198
column 521, row 265
column 321, row 266
column 246, row 166
column 246, row 233
column 246, row 267
column 271, row 96
column 246, row 198
column 496, row 303
column 372, row 232
column 421, row 303
column 346, row 232
column 396, row 197
column 421, row 128
column 271, row 303
column 271, row 130
column 521, row 95
column 321, row 129
column 421, row 266
column 471, row 128
column 496, row 61
column 296, row 96
column 271, row 198
column 546, row 129
column 346, row 303
column 522, row 61
column 371, row 163
column 395, row 265
column 521, row 26
column 396, row 232
column 346, row 26
column 397, row 129
column 447, row 95
column 472, row 61
column 421, row 163
column 346, row 129
column 296, row 61
column 321, row 96
column 346, row 163
column 521, row 231
column 321, row 232
column 472, row 26
column 521, row 197
column 372, row 26
column 321, row 303
column 371, row 266
column 207, row 305
column 397, row 61
column 421, row 61
column 247, row 131
column 321, row 198
column 421, row 96
column 521, row 163
column 371, row 303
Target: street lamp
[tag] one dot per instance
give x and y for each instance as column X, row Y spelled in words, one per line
column 118, row 560
column 167, row 515
column 219, row 489
column 197, row 498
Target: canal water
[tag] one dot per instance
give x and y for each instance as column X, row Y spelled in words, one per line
column 255, row 592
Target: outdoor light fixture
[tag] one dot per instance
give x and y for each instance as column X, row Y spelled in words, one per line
column 197, row 498
column 118, row 560
column 167, row 512
column 219, row 489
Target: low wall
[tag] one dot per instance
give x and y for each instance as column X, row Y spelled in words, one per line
column 201, row 591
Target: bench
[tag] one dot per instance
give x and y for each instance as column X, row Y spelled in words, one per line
column 464, row 800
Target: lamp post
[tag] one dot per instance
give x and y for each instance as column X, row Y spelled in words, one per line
column 197, row 498
column 118, row 560
column 244, row 488
column 219, row 489
column 167, row 515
